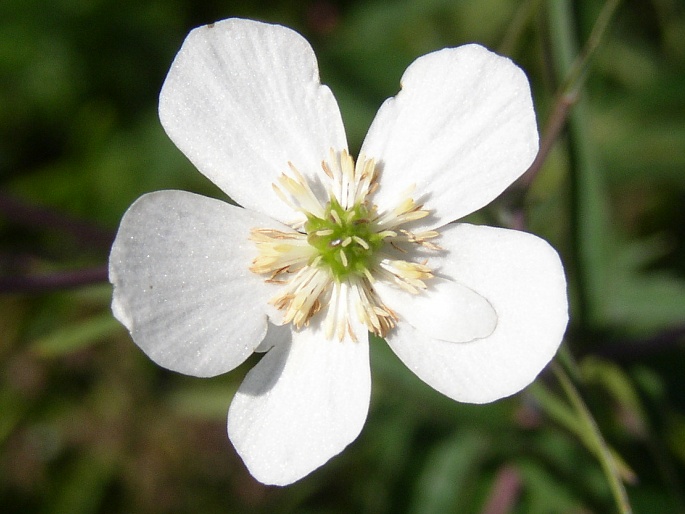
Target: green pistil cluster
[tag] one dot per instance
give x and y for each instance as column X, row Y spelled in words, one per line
column 344, row 239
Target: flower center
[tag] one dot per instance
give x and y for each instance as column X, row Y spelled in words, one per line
column 331, row 258
column 344, row 239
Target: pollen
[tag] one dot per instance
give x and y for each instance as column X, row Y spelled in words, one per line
column 338, row 247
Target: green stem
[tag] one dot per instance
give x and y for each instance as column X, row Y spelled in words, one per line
column 589, row 210
column 576, row 74
column 594, row 435
column 525, row 12
column 567, row 93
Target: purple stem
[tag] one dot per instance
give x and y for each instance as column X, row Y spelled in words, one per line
column 504, row 492
column 53, row 281
column 22, row 213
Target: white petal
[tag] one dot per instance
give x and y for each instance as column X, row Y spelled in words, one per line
column 242, row 99
column 302, row 404
column 522, row 278
column 447, row 310
column 182, row 287
column 462, row 129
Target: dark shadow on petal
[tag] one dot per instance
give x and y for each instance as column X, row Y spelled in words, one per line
column 264, row 376
column 276, row 335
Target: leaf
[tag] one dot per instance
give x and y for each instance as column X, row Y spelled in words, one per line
column 544, row 492
column 76, row 336
column 449, row 470
column 83, row 485
column 643, row 301
column 13, row 408
column 208, row 399
column 562, row 413
column 617, row 383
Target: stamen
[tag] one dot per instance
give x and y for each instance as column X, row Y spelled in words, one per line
column 361, row 242
column 336, row 218
column 327, row 265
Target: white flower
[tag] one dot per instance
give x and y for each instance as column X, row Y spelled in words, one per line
column 323, row 250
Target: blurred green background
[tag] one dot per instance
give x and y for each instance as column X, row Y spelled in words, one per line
column 89, row 425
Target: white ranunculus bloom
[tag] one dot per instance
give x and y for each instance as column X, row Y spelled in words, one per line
column 324, row 250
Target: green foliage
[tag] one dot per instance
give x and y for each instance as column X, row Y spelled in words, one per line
column 89, row 425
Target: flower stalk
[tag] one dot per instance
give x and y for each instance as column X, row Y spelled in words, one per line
column 593, row 436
